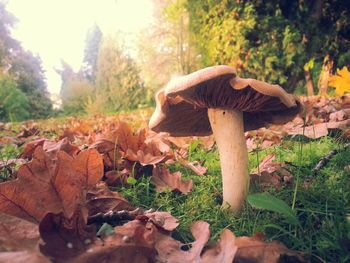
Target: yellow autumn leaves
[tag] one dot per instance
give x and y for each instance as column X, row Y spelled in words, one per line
column 341, row 81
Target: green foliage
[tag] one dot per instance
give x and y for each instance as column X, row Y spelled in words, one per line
column 117, row 80
column 25, row 70
column 75, row 90
column 92, row 47
column 270, row 40
column 257, row 40
column 268, row 202
column 14, row 104
column 167, row 48
column 321, row 206
column 28, row 73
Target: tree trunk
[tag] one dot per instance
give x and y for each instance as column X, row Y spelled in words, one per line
column 309, row 83
column 324, row 75
column 316, row 12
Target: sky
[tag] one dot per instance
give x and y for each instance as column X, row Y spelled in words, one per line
column 56, row 29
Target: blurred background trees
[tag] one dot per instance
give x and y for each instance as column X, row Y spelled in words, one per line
column 296, row 44
column 23, row 92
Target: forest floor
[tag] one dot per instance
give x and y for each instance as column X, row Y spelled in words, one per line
column 297, row 210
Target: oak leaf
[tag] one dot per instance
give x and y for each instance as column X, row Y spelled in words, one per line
column 65, row 238
column 18, row 241
column 253, row 249
column 101, row 200
column 44, row 185
column 223, row 251
column 164, row 180
column 271, row 173
column 169, row 249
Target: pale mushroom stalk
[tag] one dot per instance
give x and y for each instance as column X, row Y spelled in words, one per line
column 228, row 130
column 216, row 100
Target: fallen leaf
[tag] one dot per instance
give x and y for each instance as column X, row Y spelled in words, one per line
column 164, row 180
column 17, row 234
column 52, row 148
column 101, row 200
column 18, row 241
column 252, row 249
column 338, row 115
column 270, row 173
column 196, row 167
column 65, row 239
column 169, row 250
column 58, row 186
column 23, row 256
column 223, row 251
column 163, row 220
column 25, row 133
column 314, row 131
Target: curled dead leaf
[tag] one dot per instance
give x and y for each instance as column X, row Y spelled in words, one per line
column 101, row 200
column 169, row 250
column 164, row 180
column 65, row 239
column 59, row 186
column 252, row 249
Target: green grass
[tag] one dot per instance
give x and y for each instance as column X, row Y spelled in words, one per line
column 321, row 206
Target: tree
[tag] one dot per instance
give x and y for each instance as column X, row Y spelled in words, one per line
column 166, row 48
column 28, row 73
column 271, row 40
column 75, row 89
column 92, row 47
column 14, row 104
column 8, row 45
column 117, row 79
column 23, row 68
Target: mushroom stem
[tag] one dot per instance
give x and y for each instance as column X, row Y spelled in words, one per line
column 227, row 126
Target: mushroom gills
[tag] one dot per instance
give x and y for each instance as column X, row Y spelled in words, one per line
column 228, row 130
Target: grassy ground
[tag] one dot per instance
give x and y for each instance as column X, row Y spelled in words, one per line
column 321, row 201
column 322, row 204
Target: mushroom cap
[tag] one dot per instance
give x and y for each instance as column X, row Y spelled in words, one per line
column 182, row 106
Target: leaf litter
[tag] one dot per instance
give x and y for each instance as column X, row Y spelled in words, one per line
column 44, row 211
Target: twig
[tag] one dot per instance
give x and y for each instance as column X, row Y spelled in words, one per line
column 325, row 159
column 115, row 217
column 112, row 218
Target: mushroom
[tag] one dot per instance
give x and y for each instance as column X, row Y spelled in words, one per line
column 215, row 100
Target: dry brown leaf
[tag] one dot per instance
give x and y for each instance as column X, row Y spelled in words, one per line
column 115, row 178
column 164, row 180
column 23, row 256
column 58, row 186
column 133, row 242
column 271, row 173
column 25, row 133
column 134, row 147
column 17, row 234
column 339, row 115
column 30, row 147
column 52, row 148
column 152, row 153
column 65, row 239
column 252, row 249
column 195, row 166
column 101, row 200
column 223, row 251
column 18, row 241
column 163, row 220
column 314, row 131
column 169, row 250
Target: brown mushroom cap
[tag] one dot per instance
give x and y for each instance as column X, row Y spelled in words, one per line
column 182, row 106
